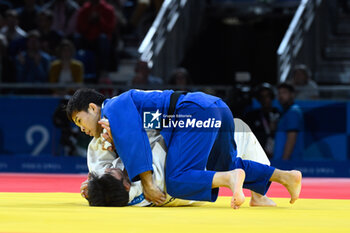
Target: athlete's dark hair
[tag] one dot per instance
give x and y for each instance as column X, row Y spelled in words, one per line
column 106, row 191
column 81, row 99
column 287, row 86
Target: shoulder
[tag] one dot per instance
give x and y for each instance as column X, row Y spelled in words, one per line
column 295, row 109
column 108, row 7
column 76, row 63
column 73, row 4
column 56, row 63
column 155, row 80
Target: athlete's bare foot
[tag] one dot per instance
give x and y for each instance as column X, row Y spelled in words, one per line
column 260, row 200
column 236, row 183
column 293, row 184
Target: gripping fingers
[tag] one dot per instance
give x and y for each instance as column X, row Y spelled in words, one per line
column 84, row 189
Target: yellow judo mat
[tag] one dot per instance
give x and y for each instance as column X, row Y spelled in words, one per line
column 69, row 212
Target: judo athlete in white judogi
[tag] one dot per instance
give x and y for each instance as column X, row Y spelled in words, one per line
column 101, row 160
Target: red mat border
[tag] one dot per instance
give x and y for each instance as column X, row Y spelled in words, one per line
column 318, row 188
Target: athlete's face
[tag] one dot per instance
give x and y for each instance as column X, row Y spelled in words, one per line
column 119, row 175
column 88, row 121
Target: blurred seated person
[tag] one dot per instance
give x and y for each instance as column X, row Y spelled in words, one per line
column 263, row 121
column 16, row 36
column 66, row 69
column 7, row 69
column 28, row 14
column 65, row 14
column 289, row 137
column 49, row 39
column 11, row 29
column 96, row 24
column 306, row 88
column 143, row 75
column 180, row 78
column 32, row 65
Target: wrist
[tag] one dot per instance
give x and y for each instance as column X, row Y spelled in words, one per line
column 146, row 178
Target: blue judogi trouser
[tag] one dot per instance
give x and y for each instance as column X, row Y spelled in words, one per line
column 195, row 154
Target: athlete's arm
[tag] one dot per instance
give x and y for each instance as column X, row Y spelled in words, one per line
column 151, row 191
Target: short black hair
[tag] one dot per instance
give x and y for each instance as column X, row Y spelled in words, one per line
column 81, row 99
column 287, row 86
column 106, row 191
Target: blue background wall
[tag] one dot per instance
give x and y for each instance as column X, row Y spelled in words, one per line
column 29, row 140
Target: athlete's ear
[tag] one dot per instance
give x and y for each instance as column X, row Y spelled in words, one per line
column 93, row 107
column 127, row 186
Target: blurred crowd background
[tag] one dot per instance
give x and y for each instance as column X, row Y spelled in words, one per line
column 283, row 66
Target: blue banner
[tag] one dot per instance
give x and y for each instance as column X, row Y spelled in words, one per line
column 42, row 164
column 26, row 125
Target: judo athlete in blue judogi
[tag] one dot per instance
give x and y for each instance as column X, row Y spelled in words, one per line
column 188, row 148
column 199, row 136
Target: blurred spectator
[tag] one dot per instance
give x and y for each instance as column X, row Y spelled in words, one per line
column 89, row 62
column 69, row 136
column 4, row 6
column 49, row 39
column 28, row 15
column 181, row 78
column 7, row 69
column 11, row 29
column 3, row 47
column 143, row 75
column 263, row 121
column 141, row 8
column 289, row 140
column 65, row 14
column 66, row 69
column 305, row 87
column 121, row 22
column 16, row 36
column 32, row 65
column 96, row 24
column 118, row 8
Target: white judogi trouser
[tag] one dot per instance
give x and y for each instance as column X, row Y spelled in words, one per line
column 248, row 146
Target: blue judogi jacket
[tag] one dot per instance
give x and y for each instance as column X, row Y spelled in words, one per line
column 125, row 112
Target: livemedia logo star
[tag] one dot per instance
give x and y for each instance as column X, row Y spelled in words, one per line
column 151, row 120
